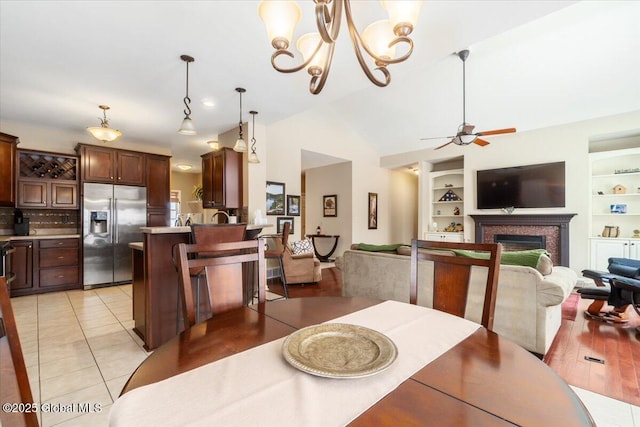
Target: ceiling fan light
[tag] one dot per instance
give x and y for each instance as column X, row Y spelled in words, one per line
column 240, row 146
column 467, row 139
column 280, row 19
column 187, row 127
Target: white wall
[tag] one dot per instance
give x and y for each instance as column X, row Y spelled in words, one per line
column 569, row 143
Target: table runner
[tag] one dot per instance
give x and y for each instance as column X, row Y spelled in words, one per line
column 258, row 387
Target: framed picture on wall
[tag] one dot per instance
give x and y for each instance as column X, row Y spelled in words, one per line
column 275, row 198
column 293, row 205
column 373, row 211
column 280, row 221
column 330, row 205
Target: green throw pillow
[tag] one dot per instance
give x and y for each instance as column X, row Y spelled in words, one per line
column 379, row 248
column 529, row 258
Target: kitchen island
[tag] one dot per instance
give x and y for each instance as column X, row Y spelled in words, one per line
column 157, row 313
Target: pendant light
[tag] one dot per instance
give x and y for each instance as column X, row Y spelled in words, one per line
column 187, row 127
column 103, row 132
column 240, row 146
column 253, row 157
column 215, row 145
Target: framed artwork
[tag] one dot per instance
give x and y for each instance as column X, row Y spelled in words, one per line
column 280, row 223
column 330, row 205
column 373, row 211
column 275, row 198
column 293, row 205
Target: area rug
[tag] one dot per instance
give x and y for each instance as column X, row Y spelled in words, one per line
column 570, row 307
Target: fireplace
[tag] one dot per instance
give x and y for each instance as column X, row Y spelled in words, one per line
column 518, row 242
column 554, row 228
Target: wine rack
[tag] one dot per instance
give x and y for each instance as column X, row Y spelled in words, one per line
column 47, row 166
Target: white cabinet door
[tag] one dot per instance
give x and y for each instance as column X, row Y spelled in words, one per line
column 603, row 249
column 634, row 249
column 445, row 237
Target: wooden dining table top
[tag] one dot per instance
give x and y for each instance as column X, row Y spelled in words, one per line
column 483, row 380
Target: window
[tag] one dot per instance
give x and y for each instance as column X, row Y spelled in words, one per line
column 174, row 205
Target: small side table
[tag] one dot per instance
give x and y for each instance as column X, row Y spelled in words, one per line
column 324, row 258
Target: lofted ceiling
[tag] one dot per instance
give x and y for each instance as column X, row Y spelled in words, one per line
column 533, row 64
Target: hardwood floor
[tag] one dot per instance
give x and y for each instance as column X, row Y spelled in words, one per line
column 617, row 345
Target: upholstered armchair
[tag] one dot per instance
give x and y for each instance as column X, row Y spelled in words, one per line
column 301, row 268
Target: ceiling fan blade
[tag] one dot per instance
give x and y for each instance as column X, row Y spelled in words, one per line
column 436, row 137
column 497, row 131
column 444, row 145
column 481, row 142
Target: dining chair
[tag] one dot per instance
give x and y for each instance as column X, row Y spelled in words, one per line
column 452, row 271
column 15, row 382
column 222, row 273
column 277, row 253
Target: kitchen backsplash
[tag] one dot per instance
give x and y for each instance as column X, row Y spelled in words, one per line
column 41, row 219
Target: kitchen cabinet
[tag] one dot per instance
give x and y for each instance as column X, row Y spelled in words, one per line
column 602, row 249
column 158, row 176
column 8, row 145
column 45, row 265
column 112, row 166
column 47, row 181
column 21, row 264
column 222, row 179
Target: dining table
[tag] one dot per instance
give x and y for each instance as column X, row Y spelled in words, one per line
column 240, row 368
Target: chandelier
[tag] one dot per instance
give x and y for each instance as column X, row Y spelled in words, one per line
column 103, row 132
column 378, row 40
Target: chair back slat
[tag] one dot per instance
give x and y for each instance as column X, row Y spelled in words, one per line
column 14, row 386
column 452, row 274
column 225, row 274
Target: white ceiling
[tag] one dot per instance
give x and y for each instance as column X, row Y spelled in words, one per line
column 533, row 64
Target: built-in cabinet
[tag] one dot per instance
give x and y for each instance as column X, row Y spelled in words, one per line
column 47, row 180
column 111, row 166
column 615, row 206
column 44, row 265
column 124, row 167
column 8, row 145
column 222, row 179
column 447, row 206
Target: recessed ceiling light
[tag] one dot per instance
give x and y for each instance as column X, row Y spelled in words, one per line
column 184, row 167
column 208, row 103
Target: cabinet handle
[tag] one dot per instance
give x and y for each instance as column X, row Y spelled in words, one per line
column 60, row 276
column 110, row 177
column 60, row 243
column 60, row 257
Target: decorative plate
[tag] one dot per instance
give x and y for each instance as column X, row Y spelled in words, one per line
column 338, row 350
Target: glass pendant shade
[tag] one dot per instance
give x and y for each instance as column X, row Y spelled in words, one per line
column 378, row 36
column 103, row 132
column 253, row 158
column 187, row 127
column 280, row 19
column 240, row 146
column 403, row 14
column 307, row 44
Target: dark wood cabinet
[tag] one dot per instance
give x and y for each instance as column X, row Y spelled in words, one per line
column 112, row 166
column 158, row 176
column 8, row 145
column 44, row 265
column 222, row 179
column 21, row 264
column 47, row 181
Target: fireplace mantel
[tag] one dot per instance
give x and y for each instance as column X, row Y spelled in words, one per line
column 561, row 221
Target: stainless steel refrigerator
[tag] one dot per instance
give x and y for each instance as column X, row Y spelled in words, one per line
column 112, row 217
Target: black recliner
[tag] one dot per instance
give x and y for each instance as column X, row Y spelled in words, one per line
column 619, row 287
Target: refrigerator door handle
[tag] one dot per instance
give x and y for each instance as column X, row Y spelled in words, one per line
column 115, row 221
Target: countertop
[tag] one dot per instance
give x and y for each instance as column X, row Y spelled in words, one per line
column 40, row 237
column 139, row 246
column 168, row 230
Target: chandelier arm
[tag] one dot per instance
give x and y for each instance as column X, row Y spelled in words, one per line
column 318, row 81
column 328, row 20
column 288, row 53
column 356, row 41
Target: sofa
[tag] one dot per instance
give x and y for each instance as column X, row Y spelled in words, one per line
column 528, row 303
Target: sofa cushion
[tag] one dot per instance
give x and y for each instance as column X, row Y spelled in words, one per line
column 534, row 258
column 302, row 247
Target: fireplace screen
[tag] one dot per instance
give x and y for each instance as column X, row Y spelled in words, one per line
column 515, row 242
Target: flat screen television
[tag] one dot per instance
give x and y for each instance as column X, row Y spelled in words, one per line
column 530, row 186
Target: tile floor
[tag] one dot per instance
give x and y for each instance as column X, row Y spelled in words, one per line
column 79, row 347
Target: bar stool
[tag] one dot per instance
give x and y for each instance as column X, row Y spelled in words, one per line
column 277, row 254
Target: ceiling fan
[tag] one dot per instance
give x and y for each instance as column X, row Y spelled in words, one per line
column 465, row 134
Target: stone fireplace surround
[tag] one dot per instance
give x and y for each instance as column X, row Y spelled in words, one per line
column 555, row 227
